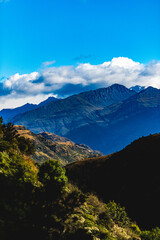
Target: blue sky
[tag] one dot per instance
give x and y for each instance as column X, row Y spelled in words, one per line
column 71, row 31
column 50, row 39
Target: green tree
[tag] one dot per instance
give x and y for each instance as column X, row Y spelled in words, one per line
column 53, row 178
column 9, row 133
column 1, row 127
column 26, row 146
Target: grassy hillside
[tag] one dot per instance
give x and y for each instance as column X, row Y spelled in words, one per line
column 129, row 177
column 51, row 146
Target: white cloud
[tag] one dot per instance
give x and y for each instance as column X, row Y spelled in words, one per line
column 52, row 80
column 13, row 101
column 48, row 63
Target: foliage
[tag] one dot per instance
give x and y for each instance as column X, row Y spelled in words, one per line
column 15, row 166
column 10, row 140
column 25, row 146
column 53, row 177
column 9, row 133
column 154, row 234
column 30, row 209
column 118, row 213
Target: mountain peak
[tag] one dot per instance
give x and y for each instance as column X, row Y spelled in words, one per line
column 150, row 91
column 137, row 88
column 107, row 96
column 118, row 86
column 48, row 100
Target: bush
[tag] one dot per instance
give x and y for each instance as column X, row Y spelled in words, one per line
column 15, row 166
column 154, row 234
column 53, row 178
column 10, row 139
column 118, row 213
column 26, row 146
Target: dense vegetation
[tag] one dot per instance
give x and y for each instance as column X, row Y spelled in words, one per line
column 38, row 202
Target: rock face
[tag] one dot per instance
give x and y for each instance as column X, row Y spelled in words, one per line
column 106, row 119
column 51, row 146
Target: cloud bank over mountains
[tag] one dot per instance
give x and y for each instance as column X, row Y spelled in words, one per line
column 66, row 80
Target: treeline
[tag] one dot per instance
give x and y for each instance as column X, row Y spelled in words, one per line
column 10, row 139
column 38, row 202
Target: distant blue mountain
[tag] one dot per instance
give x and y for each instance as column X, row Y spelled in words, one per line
column 7, row 114
column 48, row 100
column 105, row 119
column 137, row 88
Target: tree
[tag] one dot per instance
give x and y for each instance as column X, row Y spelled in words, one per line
column 1, row 127
column 26, row 146
column 9, row 132
column 53, row 178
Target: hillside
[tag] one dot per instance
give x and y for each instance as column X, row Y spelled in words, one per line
column 51, row 146
column 38, row 202
column 129, row 177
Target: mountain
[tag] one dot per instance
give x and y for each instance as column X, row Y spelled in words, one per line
column 137, row 88
column 129, row 177
column 103, row 97
column 48, row 100
column 105, row 119
column 79, row 117
column 122, row 123
column 51, row 146
column 7, row 114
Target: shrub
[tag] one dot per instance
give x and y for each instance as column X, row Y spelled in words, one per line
column 118, row 213
column 154, row 234
column 53, row 177
column 26, row 146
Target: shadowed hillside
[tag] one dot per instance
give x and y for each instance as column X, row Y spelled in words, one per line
column 38, row 202
column 130, row 177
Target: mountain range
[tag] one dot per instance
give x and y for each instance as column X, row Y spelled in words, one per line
column 106, row 119
column 7, row 114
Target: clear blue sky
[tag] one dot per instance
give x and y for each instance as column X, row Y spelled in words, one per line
column 36, row 31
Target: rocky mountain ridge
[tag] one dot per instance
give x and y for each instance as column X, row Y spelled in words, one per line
column 73, row 112
column 51, row 146
column 7, row 113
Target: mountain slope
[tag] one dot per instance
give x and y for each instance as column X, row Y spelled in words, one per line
column 129, row 177
column 107, row 96
column 88, row 118
column 65, row 116
column 7, row 114
column 122, row 123
column 51, row 146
